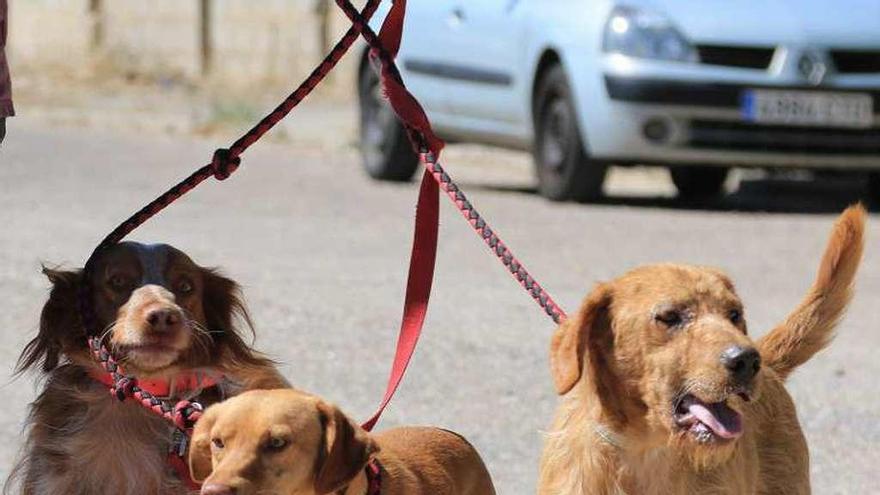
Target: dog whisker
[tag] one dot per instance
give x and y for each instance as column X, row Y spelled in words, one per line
column 200, row 332
column 198, row 327
column 201, row 344
column 107, row 331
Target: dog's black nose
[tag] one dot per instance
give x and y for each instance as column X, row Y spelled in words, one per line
column 164, row 320
column 743, row 362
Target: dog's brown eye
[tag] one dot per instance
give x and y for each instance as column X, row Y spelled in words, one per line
column 276, row 443
column 119, row 282
column 735, row 316
column 218, row 443
column 670, row 317
column 184, row 286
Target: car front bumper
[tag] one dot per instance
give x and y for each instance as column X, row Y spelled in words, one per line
column 679, row 114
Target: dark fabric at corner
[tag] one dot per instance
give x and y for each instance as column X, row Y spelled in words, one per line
column 6, row 109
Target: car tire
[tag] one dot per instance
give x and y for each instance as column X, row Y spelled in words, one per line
column 386, row 153
column 699, row 182
column 563, row 169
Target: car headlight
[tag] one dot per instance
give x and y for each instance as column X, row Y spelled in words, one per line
column 645, row 34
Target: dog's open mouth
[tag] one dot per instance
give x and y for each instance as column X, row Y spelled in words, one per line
column 707, row 421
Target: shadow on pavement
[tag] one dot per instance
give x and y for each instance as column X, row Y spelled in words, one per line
column 819, row 195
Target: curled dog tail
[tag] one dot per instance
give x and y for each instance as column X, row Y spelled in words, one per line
column 810, row 327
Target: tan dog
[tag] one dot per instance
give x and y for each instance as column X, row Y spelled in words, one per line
column 287, row 442
column 664, row 392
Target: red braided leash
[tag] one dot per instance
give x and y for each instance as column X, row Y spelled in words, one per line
column 384, row 48
column 407, row 108
column 496, row 245
column 225, row 161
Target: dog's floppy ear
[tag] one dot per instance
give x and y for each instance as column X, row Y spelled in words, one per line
column 572, row 338
column 222, row 302
column 347, row 449
column 200, row 459
column 583, row 344
column 59, row 322
column 224, row 307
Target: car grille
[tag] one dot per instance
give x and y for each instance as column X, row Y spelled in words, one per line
column 752, row 57
column 856, row 61
column 739, row 136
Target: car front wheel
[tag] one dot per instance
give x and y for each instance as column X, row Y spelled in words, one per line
column 564, row 170
column 386, row 152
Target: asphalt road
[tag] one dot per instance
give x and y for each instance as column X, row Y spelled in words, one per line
column 322, row 253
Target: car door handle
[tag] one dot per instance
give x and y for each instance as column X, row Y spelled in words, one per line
column 457, row 16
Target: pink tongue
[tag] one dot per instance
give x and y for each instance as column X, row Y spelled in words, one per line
column 724, row 421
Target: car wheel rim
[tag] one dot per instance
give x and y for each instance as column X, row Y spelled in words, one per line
column 555, row 136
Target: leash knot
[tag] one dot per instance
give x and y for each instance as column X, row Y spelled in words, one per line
column 186, row 414
column 224, row 164
column 124, row 388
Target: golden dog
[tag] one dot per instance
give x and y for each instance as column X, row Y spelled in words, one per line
column 664, row 392
column 287, row 442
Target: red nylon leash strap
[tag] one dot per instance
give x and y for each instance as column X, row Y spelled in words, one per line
column 418, row 288
column 422, row 261
column 384, row 48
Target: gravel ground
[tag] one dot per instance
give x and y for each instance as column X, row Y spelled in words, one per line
column 322, row 253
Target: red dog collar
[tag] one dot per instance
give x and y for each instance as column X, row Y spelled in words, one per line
column 184, row 382
column 181, row 383
column 374, row 477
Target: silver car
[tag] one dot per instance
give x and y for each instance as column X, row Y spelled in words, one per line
column 698, row 86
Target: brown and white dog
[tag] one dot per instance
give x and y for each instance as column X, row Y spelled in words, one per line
column 665, row 393
column 164, row 317
column 285, row 442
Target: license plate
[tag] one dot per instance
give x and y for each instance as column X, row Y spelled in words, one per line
column 808, row 108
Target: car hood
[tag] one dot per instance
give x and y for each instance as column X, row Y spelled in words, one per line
column 844, row 23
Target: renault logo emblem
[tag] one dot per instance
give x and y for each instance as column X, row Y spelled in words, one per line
column 812, row 67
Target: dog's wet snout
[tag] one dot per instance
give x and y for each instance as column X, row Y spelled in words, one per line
column 217, row 489
column 164, row 320
column 743, row 363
